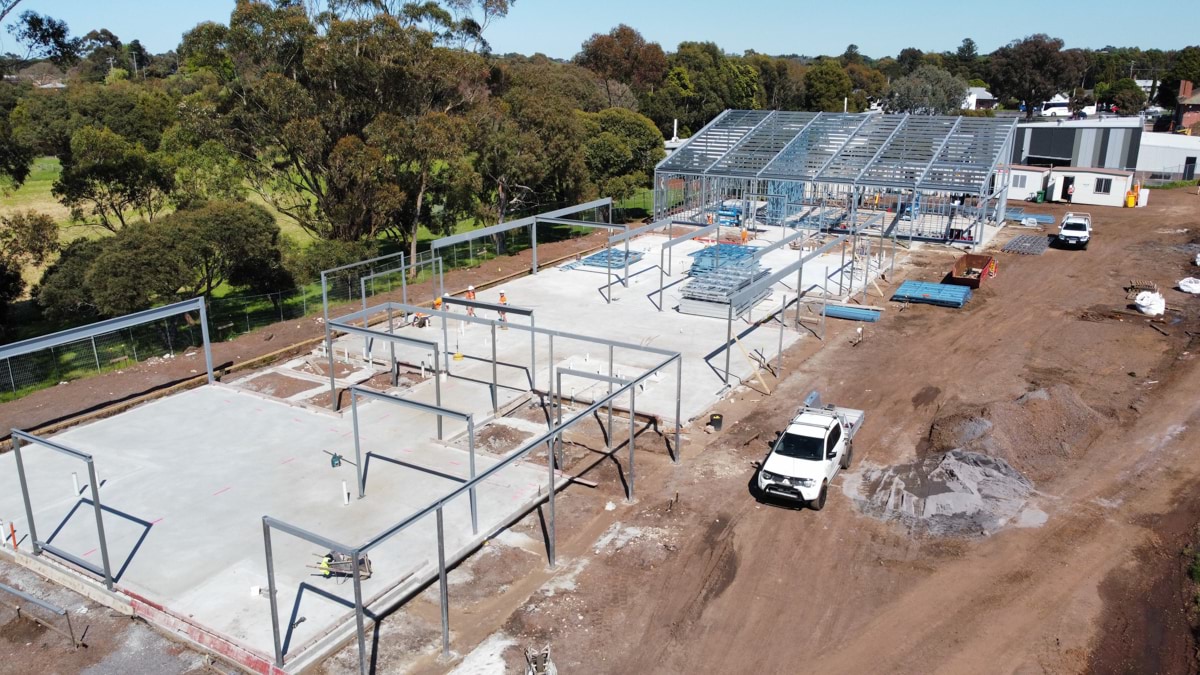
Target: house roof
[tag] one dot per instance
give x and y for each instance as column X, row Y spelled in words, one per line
column 899, row 151
column 1026, row 167
column 980, row 92
column 1194, row 99
column 1081, row 169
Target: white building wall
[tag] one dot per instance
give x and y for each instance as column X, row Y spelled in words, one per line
column 1034, row 182
column 1167, row 153
column 1085, row 188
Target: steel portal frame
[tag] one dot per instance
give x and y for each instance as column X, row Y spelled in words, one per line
column 551, row 438
column 116, row 324
column 105, row 570
column 799, row 160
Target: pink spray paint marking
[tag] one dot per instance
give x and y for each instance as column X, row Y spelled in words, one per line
column 221, row 491
column 89, row 553
column 288, row 460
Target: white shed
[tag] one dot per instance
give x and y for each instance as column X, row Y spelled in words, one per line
column 1026, row 181
column 1094, row 187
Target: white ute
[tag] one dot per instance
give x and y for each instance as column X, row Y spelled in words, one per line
column 808, row 454
column 1075, row 230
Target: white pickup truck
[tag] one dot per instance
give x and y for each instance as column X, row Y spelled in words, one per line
column 1075, row 230
column 808, row 454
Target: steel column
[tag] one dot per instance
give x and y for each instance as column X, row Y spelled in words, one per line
column 271, row 593
column 355, row 569
column 471, row 467
column 443, row 585
column 108, row 579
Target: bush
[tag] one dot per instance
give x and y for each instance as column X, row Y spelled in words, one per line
column 306, row 265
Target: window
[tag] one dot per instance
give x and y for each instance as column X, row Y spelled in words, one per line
column 1103, row 186
column 1018, row 180
column 834, row 437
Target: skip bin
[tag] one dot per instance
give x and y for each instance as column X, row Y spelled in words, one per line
column 972, row 270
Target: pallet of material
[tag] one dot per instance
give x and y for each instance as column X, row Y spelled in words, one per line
column 1027, row 244
column 943, row 295
column 612, row 258
column 867, row 314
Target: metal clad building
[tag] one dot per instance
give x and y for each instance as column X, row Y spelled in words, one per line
column 1100, row 144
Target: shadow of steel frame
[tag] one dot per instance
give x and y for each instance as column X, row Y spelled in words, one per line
column 105, row 571
column 356, row 391
column 550, row 438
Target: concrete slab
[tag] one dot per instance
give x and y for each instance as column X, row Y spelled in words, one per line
column 574, row 300
column 186, row 480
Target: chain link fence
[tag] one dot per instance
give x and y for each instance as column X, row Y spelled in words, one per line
column 25, row 374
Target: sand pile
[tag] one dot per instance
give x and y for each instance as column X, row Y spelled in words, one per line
column 976, row 472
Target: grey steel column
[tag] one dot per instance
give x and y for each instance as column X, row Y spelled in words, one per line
column 550, row 540
column 866, row 269
column 782, row 314
column 550, row 382
column 678, row 407
column 37, row 550
column 557, row 420
column 358, row 463
column 362, row 282
column 358, row 613
column 441, row 272
column 446, row 340
column 203, row 336
column 271, row 593
column 632, row 433
column 495, row 379
column 404, row 284
column 532, row 354
column 471, row 450
column 610, row 403
column 392, row 368
column 437, row 388
column 842, row 269
column 533, row 240
column 108, row 579
column 443, row 586
column 728, row 341
column 608, row 273
column 333, row 397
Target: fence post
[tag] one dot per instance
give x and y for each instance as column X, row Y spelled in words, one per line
column 281, row 305
column 95, row 355
column 133, row 344
column 11, row 380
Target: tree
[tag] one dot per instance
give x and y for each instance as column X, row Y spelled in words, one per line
column 16, row 157
column 827, row 86
column 1034, row 69
column 928, row 91
column 108, row 176
column 908, row 61
column 63, row 293
column 851, row 56
column 869, row 85
column 780, row 80
column 621, row 150
column 701, row 83
column 26, row 238
column 220, row 242
column 623, row 56
column 1184, row 66
column 1127, row 95
column 44, row 38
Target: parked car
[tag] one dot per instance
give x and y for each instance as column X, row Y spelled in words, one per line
column 1075, row 230
column 809, row 453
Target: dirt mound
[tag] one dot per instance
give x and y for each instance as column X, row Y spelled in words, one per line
column 976, row 471
column 953, row 493
column 1035, row 434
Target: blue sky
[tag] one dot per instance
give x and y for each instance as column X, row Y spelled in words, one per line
column 558, row 27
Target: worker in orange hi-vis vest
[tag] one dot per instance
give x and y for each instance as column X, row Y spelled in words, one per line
column 503, row 301
column 470, row 296
column 745, row 236
column 437, row 303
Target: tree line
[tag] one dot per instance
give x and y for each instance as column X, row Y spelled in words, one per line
column 369, row 121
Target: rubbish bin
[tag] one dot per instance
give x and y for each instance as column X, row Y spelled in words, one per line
column 1041, row 196
column 715, row 421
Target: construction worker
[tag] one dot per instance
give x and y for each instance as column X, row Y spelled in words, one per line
column 437, row 303
column 503, row 301
column 324, row 566
column 745, row 236
column 470, row 296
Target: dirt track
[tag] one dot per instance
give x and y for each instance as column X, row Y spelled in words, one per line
column 729, row 585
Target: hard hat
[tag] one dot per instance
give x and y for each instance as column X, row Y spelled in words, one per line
column 501, row 291
column 470, row 288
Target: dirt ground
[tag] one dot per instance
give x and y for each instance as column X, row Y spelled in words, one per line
column 696, row 575
column 714, row 581
column 114, row 643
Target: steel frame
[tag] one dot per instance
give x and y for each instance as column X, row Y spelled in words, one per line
column 105, row 570
column 551, row 438
column 116, row 324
